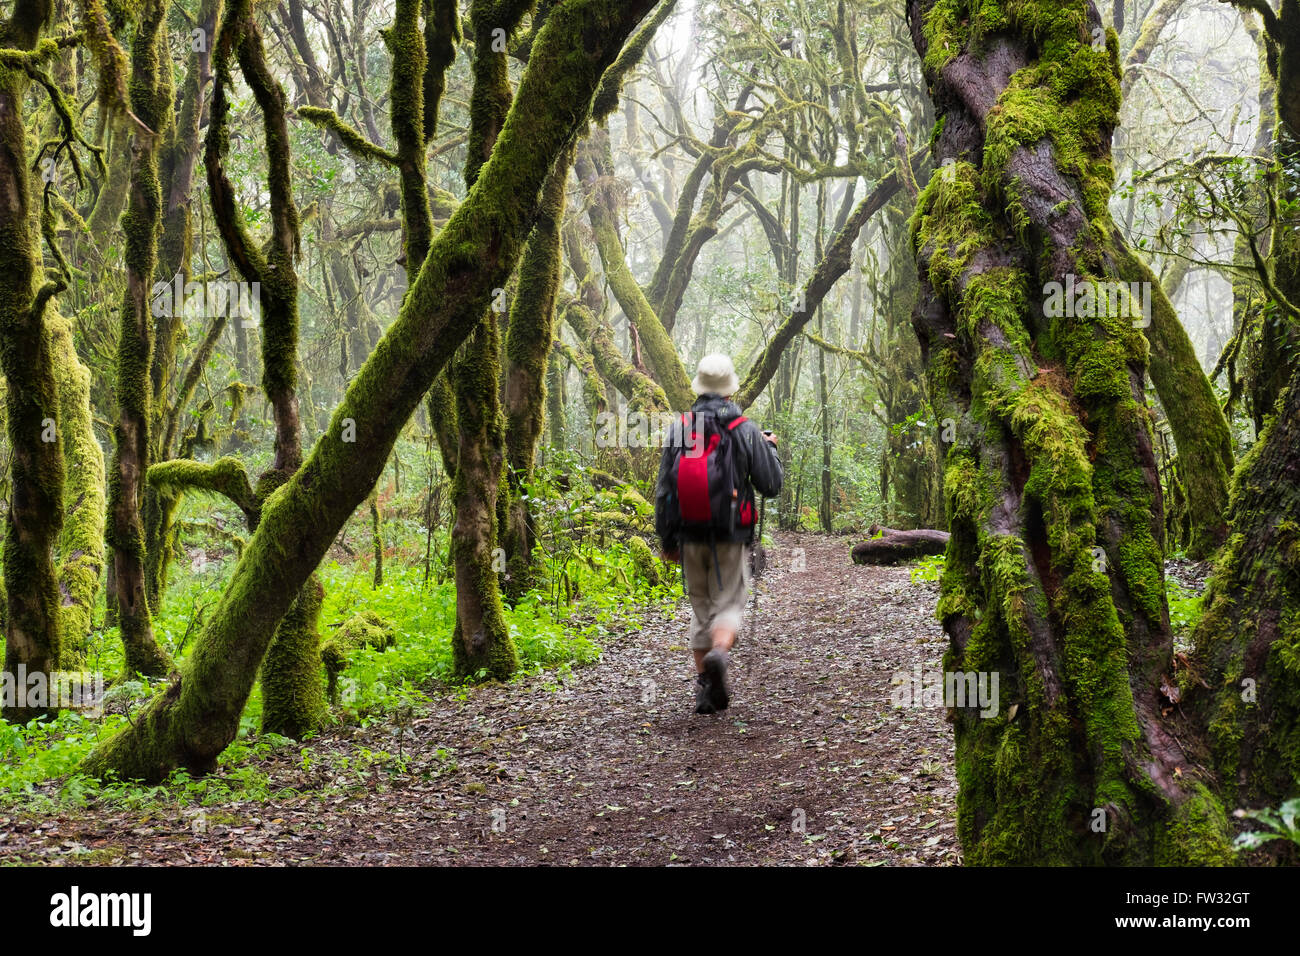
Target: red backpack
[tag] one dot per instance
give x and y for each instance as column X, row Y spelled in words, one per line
column 712, row 498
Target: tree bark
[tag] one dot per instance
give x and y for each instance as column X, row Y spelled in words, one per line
column 1244, row 680
column 34, row 516
column 528, row 352
column 150, row 92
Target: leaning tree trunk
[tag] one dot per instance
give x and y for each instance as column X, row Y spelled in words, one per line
column 1199, row 426
column 1054, row 578
column 151, row 102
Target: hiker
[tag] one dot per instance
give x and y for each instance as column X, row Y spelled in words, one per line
column 714, row 459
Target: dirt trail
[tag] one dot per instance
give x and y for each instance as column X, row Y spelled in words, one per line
column 811, row 764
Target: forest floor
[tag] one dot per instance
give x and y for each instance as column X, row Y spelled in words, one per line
column 608, row 764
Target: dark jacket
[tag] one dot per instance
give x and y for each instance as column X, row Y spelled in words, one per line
column 756, row 461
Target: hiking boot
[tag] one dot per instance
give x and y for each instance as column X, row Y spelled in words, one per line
column 715, row 671
column 703, row 695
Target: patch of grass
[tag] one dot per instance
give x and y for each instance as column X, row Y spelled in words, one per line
column 1184, row 608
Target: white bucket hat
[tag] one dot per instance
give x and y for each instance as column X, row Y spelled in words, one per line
column 716, row 376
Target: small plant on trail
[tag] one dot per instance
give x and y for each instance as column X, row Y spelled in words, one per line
column 928, row 569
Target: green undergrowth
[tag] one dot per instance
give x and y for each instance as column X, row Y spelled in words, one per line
column 1184, row 610
column 609, row 588
column 927, row 569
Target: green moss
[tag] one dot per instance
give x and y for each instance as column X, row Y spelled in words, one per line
column 356, row 144
column 364, row 629
column 1197, row 834
column 81, row 542
column 293, row 702
column 647, row 563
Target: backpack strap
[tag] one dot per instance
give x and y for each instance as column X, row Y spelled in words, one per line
column 737, row 423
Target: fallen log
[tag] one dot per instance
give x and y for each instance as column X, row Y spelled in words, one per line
column 895, row 546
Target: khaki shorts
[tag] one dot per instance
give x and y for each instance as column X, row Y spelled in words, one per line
column 713, row 606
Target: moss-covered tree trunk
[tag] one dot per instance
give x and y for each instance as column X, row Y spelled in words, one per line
column 1248, row 641
column 178, row 161
column 81, row 541
column 481, row 644
column 1199, row 426
column 528, row 352
column 1244, row 686
column 150, row 98
column 1054, row 578
column 34, row 516
column 198, row 715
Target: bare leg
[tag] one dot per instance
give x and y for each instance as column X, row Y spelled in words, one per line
column 723, row 638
